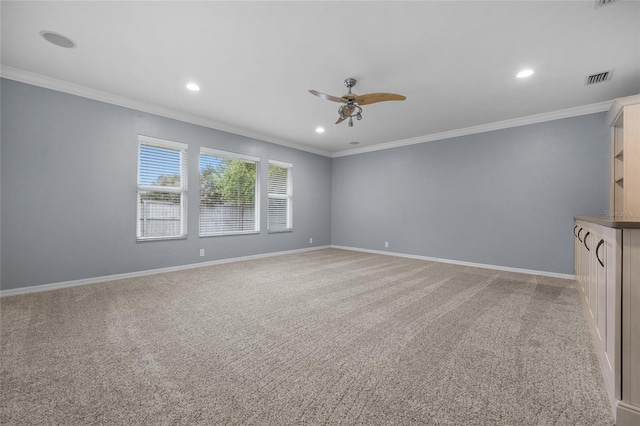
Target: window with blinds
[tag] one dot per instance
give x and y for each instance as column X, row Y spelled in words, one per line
column 228, row 193
column 162, row 189
column 280, row 191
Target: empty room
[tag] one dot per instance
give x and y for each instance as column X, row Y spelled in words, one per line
column 320, row 213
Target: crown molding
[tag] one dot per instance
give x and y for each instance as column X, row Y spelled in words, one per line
column 498, row 125
column 86, row 92
column 617, row 106
column 98, row 95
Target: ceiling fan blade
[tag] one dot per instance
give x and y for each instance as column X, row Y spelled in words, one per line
column 372, row 98
column 327, row 97
column 345, row 112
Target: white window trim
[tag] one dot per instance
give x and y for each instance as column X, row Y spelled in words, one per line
column 287, row 196
column 238, row 157
column 229, row 155
column 281, row 164
column 163, row 143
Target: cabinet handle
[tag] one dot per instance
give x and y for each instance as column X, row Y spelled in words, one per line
column 585, row 241
column 597, row 255
column 574, row 230
column 579, row 234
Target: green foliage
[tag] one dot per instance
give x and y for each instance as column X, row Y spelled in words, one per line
column 278, row 179
column 168, row 180
column 168, row 197
column 230, row 182
column 210, row 191
column 239, row 182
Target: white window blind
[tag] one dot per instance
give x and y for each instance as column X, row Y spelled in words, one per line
column 228, row 193
column 280, row 196
column 162, row 189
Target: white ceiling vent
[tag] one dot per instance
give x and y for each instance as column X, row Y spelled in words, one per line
column 598, row 77
column 597, row 4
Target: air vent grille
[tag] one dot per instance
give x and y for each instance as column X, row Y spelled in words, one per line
column 600, row 3
column 598, row 78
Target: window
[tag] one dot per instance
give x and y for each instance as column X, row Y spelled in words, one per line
column 162, row 189
column 280, row 196
column 228, row 193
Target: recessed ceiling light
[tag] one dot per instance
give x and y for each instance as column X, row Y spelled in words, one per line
column 319, row 129
column 524, row 73
column 354, row 143
column 193, row 87
column 58, row 39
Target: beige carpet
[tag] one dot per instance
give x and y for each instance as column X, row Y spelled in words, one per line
column 326, row 337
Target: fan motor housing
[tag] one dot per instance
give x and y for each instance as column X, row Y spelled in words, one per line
column 350, row 82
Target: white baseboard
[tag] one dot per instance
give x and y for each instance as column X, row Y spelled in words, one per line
column 97, row 280
column 460, row 262
column 106, row 278
column 627, row 415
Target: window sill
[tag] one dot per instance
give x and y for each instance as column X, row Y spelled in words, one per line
column 282, row 231
column 230, row 234
column 147, row 239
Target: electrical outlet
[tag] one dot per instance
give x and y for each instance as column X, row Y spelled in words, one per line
column 201, row 252
column 386, row 244
column 310, row 240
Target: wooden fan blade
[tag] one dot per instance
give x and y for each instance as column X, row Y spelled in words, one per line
column 327, row 97
column 372, row 98
column 346, row 112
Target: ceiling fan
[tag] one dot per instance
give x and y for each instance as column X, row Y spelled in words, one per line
column 352, row 102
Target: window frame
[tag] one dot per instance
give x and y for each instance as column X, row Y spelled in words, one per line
column 182, row 189
column 229, row 155
column 288, row 196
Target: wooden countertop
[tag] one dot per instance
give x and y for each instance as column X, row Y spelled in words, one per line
column 612, row 222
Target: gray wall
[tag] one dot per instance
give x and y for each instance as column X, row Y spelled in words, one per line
column 69, row 171
column 506, row 197
column 68, row 192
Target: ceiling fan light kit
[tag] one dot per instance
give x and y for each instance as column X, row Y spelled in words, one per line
column 352, row 101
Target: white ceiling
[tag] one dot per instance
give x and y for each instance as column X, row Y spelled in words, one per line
column 255, row 61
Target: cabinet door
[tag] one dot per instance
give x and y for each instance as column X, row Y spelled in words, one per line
column 598, row 272
column 578, row 253
column 582, row 260
column 595, row 283
column 591, row 274
column 631, row 318
column 608, row 257
column 599, row 255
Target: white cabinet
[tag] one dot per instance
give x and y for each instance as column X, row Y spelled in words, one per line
column 624, row 119
column 597, row 273
column 607, row 270
column 630, row 328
